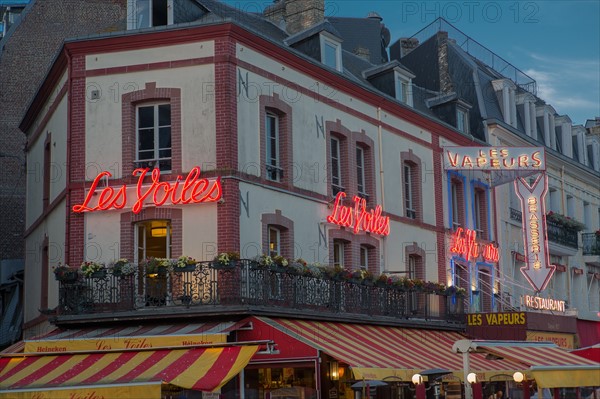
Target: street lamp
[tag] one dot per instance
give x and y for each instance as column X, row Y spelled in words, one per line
column 417, row 379
column 518, row 376
column 471, row 378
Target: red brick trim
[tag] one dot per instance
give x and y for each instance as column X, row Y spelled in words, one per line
column 286, row 231
column 129, row 219
column 352, row 248
column 283, row 111
column 416, row 183
column 360, row 139
column 129, row 103
column 228, row 212
column 152, row 66
column 481, row 190
column 344, row 135
column 75, row 229
column 413, row 250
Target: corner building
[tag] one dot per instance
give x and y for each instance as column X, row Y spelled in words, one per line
column 212, row 130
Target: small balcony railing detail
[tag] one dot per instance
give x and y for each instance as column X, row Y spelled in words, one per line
column 591, row 243
column 561, row 234
column 249, row 284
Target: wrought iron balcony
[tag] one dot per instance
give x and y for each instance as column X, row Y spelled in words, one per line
column 208, row 287
column 591, row 243
column 561, row 234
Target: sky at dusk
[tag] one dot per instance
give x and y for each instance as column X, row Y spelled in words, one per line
column 555, row 42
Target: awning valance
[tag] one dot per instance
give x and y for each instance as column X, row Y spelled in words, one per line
column 550, row 365
column 382, row 352
column 204, row 369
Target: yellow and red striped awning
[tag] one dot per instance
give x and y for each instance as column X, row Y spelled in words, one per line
column 377, row 352
column 205, row 369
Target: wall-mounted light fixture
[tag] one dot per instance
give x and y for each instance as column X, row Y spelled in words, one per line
column 160, row 231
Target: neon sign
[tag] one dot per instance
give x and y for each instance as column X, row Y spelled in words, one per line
column 536, row 302
column 495, row 158
column 537, row 269
column 358, row 217
column 191, row 190
column 465, row 244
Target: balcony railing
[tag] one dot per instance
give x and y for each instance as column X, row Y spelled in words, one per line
column 561, row 234
column 591, row 243
column 248, row 284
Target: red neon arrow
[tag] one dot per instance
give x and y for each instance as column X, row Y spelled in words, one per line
column 537, row 269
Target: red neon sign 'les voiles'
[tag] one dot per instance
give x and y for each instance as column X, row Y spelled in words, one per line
column 192, row 190
column 358, row 217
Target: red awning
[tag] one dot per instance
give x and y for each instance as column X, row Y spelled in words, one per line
column 590, row 352
column 203, row 369
column 378, row 352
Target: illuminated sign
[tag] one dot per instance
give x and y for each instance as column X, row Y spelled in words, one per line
column 536, row 302
column 191, row 190
column 495, row 158
column 464, row 243
column 565, row 341
column 358, row 217
column 537, row 269
column 496, row 319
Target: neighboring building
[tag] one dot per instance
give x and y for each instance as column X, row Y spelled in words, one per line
column 502, row 109
column 27, row 51
column 269, row 138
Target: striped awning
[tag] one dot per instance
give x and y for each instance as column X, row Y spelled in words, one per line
column 205, row 369
column 129, row 337
column 550, row 365
column 380, row 352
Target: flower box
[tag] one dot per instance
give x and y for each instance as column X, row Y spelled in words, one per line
column 98, row 274
column 66, row 276
column 187, row 268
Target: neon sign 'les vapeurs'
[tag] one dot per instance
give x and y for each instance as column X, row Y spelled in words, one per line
column 358, row 217
column 192, row 190
column 466, row 245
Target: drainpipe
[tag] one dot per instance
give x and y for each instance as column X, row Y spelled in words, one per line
column 381, row 183
column 67, row 251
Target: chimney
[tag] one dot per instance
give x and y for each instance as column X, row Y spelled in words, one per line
column 363, row 53
column 302, row 14
column 402, row 47
column 446, row 85
column 276, row 12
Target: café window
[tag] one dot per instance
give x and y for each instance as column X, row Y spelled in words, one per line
column 336, row 166
column 153, row 239
column 273, row 166
column 360, row 172
column 339, row 247
column 154, row 136
column 274, row 241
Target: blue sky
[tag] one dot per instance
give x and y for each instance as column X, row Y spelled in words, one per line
column 556, row 42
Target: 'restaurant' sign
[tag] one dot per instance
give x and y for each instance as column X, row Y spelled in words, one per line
column 189, row 190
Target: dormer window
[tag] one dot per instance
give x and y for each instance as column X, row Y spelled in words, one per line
column 507, row 98
column 403, row 87
column 462, row 119
column 149, row 13
column 331, row 51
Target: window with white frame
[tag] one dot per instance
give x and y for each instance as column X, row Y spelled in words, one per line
column 462, row 120
column 331, row 52
column 409, row 202
column 153, row 239
column 272, row 147
column 360, row 172
column 154, row 136
column 149, row 13
column 403, row 85
column 336, row 166
column 338, row 253
column 274, row 241
column 480, row 212
column 457, row 202
column 364, row 257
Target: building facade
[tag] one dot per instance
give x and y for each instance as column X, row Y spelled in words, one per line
column 203, row 134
